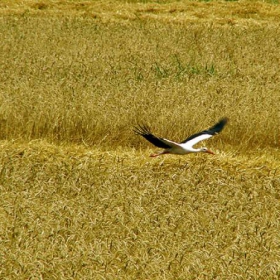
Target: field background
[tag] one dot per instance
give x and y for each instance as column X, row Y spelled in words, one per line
column 80, row 197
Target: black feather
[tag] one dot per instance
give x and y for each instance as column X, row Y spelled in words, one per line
column 215, row 129
column 145, row 132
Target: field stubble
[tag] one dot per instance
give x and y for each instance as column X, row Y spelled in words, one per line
column 102, row 209
column 71, row 213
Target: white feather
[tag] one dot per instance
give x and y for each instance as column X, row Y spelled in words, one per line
column 189, row 145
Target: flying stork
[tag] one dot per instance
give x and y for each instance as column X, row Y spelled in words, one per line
column 186, row 146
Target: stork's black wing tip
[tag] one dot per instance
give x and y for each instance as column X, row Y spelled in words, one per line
column 218, row 127
column 142, row 129
column 224, row 120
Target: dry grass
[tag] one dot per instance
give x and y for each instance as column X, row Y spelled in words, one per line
column 74, row 213
column 63, row 78
column 80, row 197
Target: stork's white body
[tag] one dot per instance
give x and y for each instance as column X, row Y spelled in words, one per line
column 186, row 146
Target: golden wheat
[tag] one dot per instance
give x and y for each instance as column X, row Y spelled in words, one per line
column 80, row 198
column 79, row 79
column 70, row 213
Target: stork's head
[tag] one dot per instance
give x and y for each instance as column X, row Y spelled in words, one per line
column 205, row 150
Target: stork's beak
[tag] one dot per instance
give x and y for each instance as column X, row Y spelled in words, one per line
column 210, row 152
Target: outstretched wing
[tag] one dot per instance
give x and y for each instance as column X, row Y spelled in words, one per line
column 145, row 132
column 205, row 134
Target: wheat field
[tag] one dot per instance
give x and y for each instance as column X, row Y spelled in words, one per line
column 80, row 196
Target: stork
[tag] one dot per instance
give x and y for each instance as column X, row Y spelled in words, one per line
column 186, row 146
